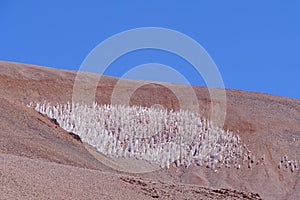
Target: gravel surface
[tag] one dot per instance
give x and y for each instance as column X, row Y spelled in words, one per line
column 41, row 161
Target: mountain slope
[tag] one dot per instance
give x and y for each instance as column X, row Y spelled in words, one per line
column 267, row 124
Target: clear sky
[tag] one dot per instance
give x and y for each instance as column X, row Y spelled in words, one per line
column 255, row 44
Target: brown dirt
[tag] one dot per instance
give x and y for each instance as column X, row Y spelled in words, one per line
column 39, row 160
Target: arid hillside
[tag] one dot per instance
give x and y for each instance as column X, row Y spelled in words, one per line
column 39, row 160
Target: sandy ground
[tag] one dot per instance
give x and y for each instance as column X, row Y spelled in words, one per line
column 41, row 161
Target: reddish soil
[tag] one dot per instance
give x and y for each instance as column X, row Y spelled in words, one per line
column 39, row 160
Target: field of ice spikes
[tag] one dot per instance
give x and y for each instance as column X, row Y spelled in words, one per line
column 158, row 136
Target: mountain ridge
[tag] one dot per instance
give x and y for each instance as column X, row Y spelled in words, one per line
column 268, row 125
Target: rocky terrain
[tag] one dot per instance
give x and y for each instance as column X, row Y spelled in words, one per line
column 39, row 160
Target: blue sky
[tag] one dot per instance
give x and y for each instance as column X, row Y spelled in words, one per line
column 255, row 44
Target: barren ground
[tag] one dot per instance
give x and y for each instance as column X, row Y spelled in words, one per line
column 39, row 160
